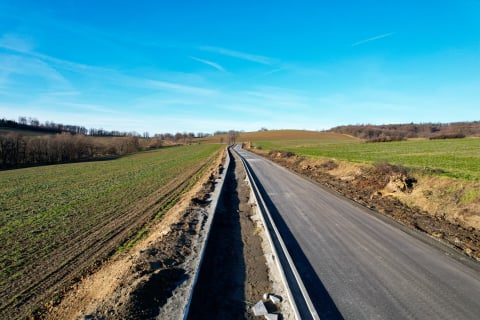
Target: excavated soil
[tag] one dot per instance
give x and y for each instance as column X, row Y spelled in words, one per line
column 364, row 187
column 234, row 274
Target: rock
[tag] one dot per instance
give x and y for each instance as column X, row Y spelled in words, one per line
column 438, row 235
column 400, row 183
column 259, row 309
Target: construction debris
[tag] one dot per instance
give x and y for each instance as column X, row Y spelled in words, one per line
column 271, row 316
column 275, row 299
column 259, row 309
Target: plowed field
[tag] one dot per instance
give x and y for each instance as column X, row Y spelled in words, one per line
column 59, row 222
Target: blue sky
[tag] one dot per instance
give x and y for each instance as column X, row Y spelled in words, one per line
column 202, row 66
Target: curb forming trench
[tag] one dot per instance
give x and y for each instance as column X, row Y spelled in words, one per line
column 235, row 273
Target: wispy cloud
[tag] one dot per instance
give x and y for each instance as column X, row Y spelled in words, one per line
column 209, row 63
column 25, row 60
column 13, row 42
column 17, row 71
column 381, row 36
column 89, row 107
column 63, row 93
column 20, row 45
column 240, row 55
column 282, row 98
column 272, row 72
column 177, row 87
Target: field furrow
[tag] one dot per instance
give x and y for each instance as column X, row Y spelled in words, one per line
column 120, row 197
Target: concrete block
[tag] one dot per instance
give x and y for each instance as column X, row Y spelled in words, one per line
column 259, row 309
column 271, row 316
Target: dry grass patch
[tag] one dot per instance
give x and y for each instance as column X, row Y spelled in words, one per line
column 455, row 201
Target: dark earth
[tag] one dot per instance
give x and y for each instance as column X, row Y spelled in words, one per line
column 234, row 275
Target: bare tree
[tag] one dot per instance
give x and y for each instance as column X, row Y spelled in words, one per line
column 232, row 137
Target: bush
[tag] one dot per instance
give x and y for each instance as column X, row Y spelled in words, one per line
column 329, row 165
column 387, row 169
column 281, row 154
column 386, row 139
column 448, row 136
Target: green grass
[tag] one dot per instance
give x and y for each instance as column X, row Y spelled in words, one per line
column 469, row 196
column 41, row 207
column 457, row 158
column 133, row 240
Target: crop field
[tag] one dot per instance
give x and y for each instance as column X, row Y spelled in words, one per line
column 291, row 135
column 57, row 220
column 456, row 158
column 294, row 136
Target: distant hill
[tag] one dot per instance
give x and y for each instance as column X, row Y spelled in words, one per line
column 290, row 135
column 269, row 135
column 396, row 132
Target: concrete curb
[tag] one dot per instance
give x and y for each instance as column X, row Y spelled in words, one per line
column 211, row 213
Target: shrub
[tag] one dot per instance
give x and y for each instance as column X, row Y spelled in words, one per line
column 448, row 136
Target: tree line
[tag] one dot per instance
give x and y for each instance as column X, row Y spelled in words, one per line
column 398, row 132
column 33, row 124
column 17, row 150
column 58, row 143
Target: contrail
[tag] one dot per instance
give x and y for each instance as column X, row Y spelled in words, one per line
column 373, row 38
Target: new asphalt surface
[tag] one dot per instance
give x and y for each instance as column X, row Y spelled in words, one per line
column 358, row 265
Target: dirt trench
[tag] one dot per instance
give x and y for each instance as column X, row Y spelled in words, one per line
column 234, row 274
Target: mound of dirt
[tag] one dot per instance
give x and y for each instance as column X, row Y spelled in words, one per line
column 155, row 273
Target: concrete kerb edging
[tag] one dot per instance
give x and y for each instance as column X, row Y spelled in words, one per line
column 211, row 212
column 265, row 213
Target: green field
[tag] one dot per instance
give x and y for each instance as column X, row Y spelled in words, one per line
column 49, row 214
column 457, row 158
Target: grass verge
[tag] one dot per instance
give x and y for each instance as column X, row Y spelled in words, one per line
column 455, row 158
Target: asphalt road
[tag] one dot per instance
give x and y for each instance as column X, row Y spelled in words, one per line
column 356, row 265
